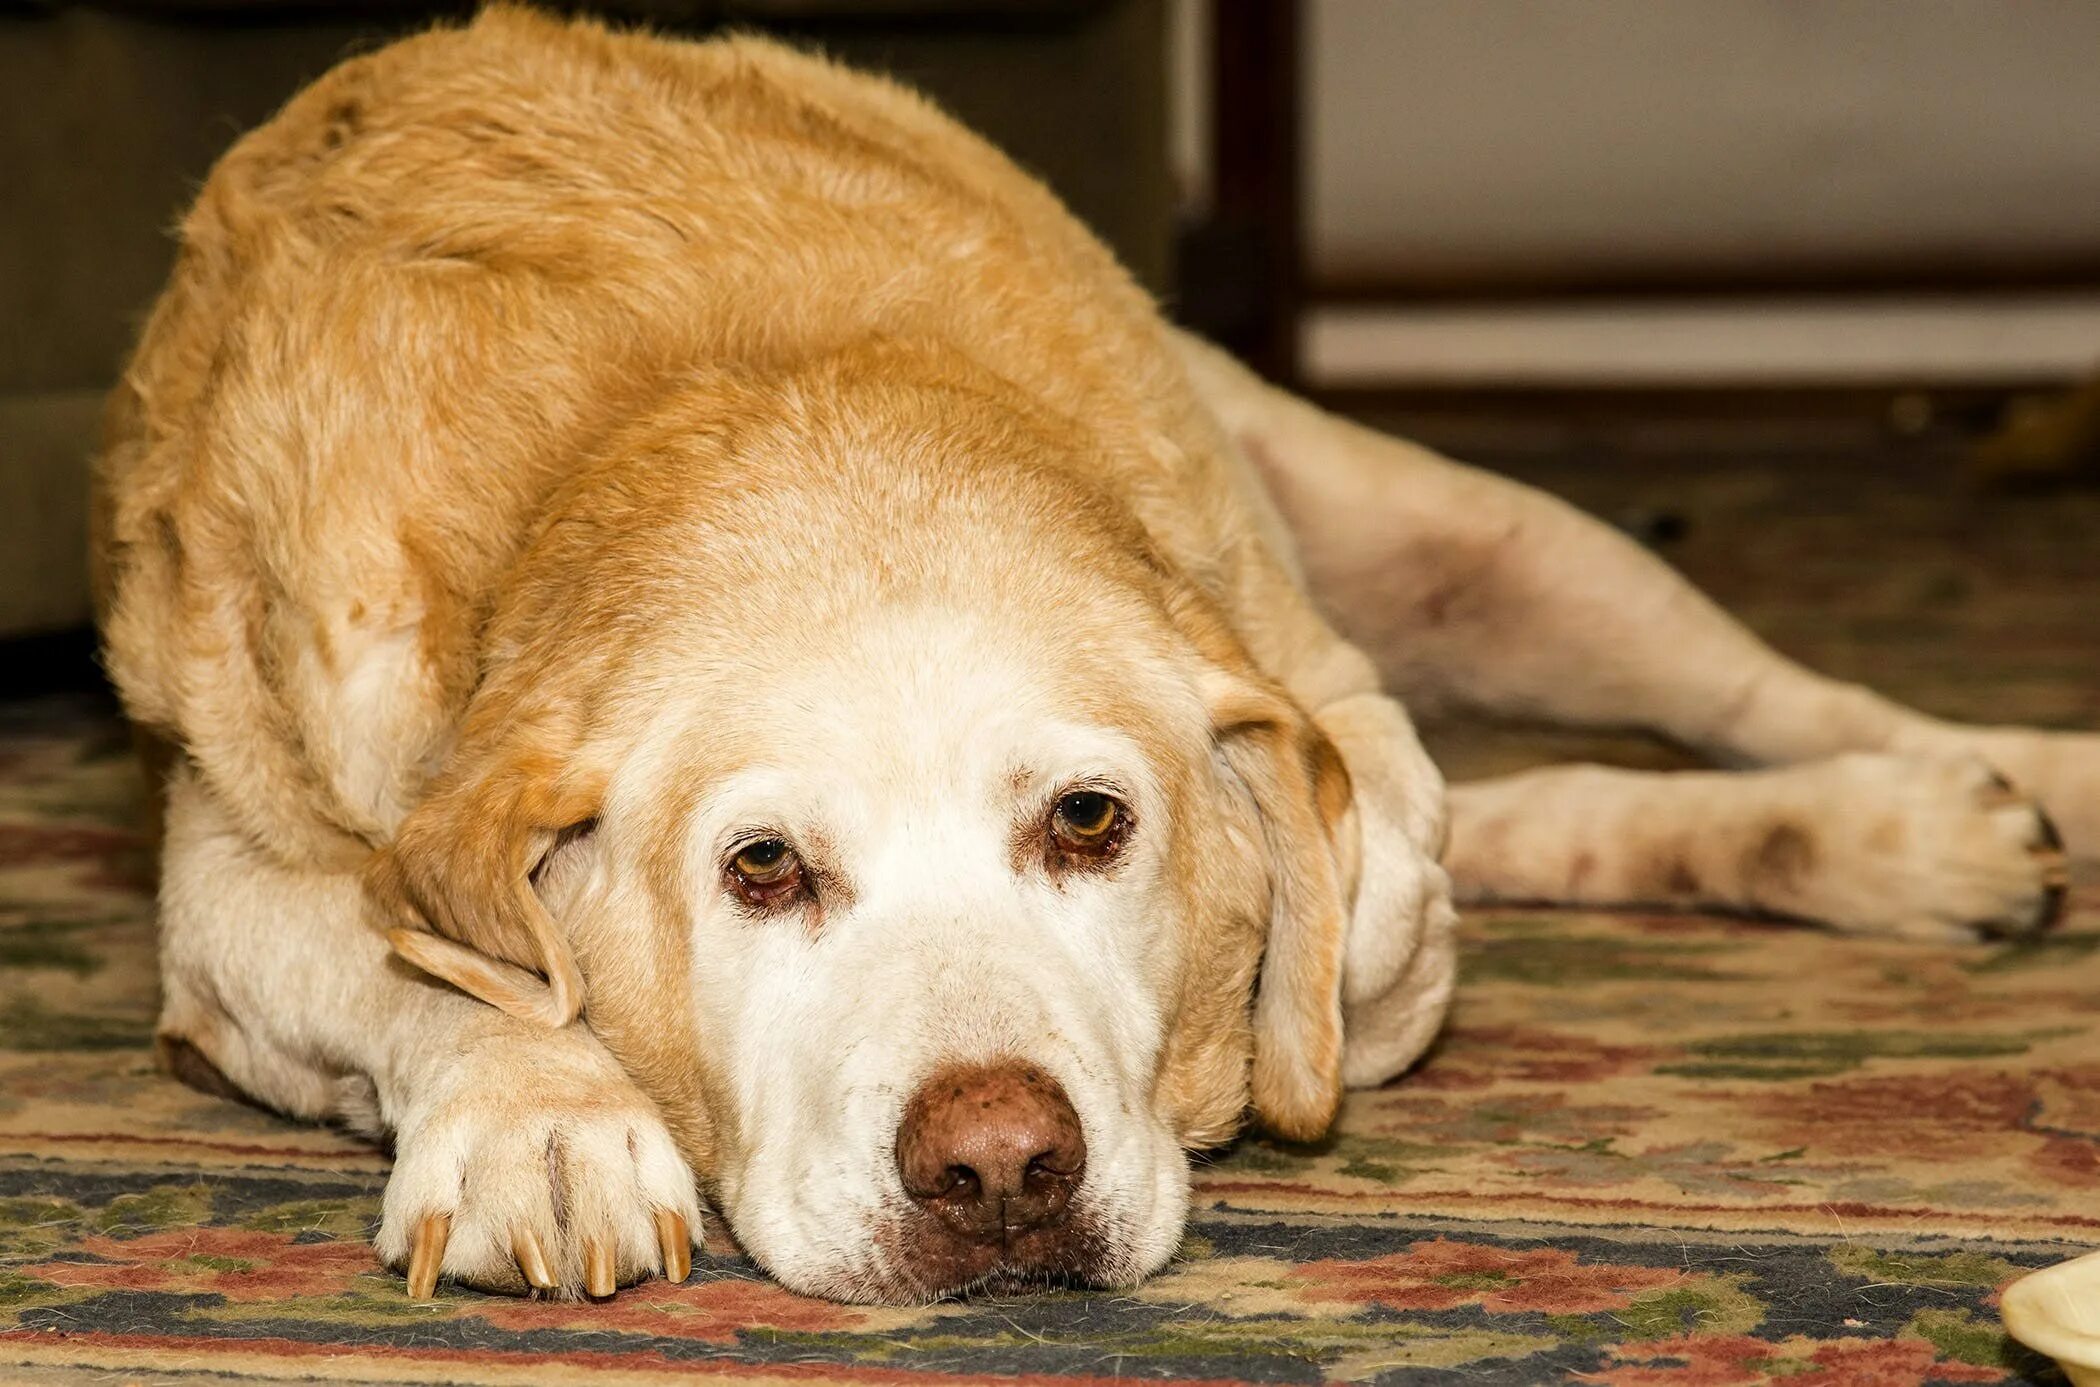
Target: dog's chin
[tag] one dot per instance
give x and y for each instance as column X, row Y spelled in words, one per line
column 915, row 1259
column 931, row 1262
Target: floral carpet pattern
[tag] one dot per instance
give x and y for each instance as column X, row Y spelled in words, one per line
column 1650, row 1151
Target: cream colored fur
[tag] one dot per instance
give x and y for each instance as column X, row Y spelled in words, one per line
column 560, row 455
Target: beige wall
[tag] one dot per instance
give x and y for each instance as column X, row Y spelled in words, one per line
column 1477, row 136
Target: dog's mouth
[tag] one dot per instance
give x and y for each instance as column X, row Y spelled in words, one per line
column 923, row 1258
column 917, row 1258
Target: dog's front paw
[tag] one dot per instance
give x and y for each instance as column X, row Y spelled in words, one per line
column 555, row 1175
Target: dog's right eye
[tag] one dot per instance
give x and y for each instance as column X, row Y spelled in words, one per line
column 766, row 872
column 1087, row 826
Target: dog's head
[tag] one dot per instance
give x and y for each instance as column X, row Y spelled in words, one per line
column 927, row 846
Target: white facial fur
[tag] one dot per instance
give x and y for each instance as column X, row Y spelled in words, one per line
column 907, row 772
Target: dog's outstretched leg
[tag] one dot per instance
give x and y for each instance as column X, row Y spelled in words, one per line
column 1928, row 848
column 1475, row 593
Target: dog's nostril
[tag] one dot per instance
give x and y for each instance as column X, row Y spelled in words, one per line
column 991, row 1150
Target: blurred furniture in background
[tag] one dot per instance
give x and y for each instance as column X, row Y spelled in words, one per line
column 112, row 113
column 1726, row 208
column 1240, row 260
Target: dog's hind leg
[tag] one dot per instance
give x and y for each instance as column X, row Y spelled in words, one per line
column 1877, row 843
column 1472, row 592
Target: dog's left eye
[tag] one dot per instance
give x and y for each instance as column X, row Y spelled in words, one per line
column 1088, row 824
column 766, row 872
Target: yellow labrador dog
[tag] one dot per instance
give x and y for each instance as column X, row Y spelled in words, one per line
column 708, row 639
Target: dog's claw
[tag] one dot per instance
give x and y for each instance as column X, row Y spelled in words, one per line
column 677, row 1243
column 532, row 1260
column 598, row 1278
column 428, row 1256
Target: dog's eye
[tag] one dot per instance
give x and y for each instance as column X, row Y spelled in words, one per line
column 1087, row 823
column 766, row 872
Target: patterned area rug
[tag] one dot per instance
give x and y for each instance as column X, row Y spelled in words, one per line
column 1650, row 1150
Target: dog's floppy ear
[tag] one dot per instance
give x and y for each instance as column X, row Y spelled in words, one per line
column 1400, row 965
column 455, row 885
column 1301, row 793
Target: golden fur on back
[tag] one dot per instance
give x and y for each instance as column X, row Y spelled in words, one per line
column 489, row 284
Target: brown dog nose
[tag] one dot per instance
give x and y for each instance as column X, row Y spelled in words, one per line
column 991, row 1149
